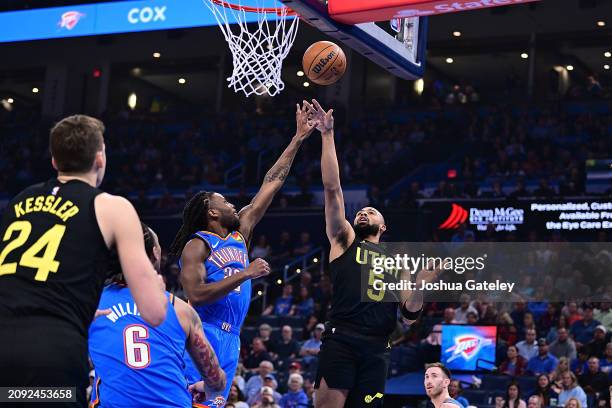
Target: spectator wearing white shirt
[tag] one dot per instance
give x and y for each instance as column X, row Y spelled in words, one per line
column 528, row 348
column 465, row 308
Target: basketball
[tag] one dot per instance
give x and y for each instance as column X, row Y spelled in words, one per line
column 324, row 63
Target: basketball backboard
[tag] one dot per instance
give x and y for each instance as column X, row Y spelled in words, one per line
column 397, row 46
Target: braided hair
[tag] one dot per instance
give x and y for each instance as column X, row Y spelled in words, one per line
column 194, row 219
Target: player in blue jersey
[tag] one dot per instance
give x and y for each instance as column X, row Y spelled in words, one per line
column 212, row 245
column 437, row 380
column 138, row 365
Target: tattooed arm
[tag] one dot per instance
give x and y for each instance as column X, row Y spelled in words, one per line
column 200, row 350
column 275, row 178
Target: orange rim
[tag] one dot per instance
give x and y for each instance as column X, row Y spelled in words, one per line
column 279, row 11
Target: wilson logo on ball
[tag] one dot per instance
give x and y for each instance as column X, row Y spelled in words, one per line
column 323, row 62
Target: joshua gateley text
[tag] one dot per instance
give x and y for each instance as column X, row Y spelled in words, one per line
column 442, row 286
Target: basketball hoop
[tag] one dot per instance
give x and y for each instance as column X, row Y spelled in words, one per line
column 258, row 52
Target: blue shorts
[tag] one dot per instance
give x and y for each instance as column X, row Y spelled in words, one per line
column 227, row 348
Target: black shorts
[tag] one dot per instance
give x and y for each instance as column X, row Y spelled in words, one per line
column 350, row 363
column 44, row 352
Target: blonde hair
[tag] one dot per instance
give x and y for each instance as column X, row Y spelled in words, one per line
column 557, row 373
column 573, row 377
column 578, row 404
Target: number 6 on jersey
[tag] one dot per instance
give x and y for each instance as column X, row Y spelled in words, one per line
column 137, row 352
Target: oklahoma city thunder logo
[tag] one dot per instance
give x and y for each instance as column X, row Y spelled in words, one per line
column 70, row 19
column 467, row 346
column 219, row 401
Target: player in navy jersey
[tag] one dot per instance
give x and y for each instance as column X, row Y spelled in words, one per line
column 437, row 379
column 212, row 245
column 54, row 253
column 138, row 365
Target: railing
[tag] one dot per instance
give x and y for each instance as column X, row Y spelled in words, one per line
column 293, row 269
column 234, row 173
column 312, row 260
column 260, row 291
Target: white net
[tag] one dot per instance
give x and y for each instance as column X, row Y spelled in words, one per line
column 258, row 51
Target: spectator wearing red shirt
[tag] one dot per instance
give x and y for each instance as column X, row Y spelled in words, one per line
column 572, row 313
column 514, row 364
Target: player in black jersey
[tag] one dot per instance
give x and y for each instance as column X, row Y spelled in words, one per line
column 353, row 359
column 56, row 239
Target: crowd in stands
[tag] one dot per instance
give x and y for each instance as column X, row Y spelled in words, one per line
column 562, row 354
column 493, row 150
column 552, row 354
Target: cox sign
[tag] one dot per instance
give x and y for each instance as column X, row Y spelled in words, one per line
column 147, row 14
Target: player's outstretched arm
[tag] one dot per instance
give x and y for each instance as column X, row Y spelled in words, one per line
column 411, row 301
column 200, row 350
column 338, row 229
column 121, row 227
column 275, row 177
column 193, row 275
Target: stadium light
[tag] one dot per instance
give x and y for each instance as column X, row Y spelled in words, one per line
column 10, row 100
column 132, row 101
column 524, row 55
column 419, row 86
column 35, row 90
column 606, row 67
column 607, row 54
column 570, row 67
column 182, row 81
column 156, row 55
column 315, row 260
column 279, row 281
column 449, row 60
column 300, row 73
column 298, row 270
column 456, row 33
column 259, row 293
column 601, row 23
column 306, row 84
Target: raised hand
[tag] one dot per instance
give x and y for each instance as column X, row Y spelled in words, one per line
column 324, row 121
column 304, row 127
column 429, row 274
column 258, row 268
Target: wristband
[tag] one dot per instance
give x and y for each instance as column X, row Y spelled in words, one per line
column 407, row 314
